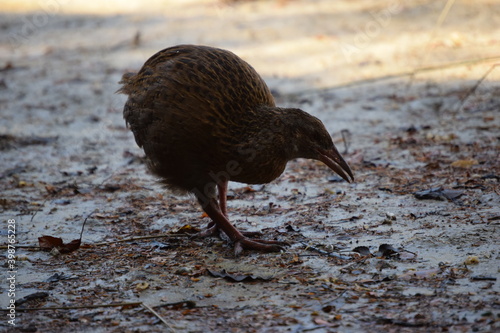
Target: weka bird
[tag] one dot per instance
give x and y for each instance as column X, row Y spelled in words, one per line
column 205, row 117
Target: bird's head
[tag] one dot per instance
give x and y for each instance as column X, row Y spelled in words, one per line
column 310, row 139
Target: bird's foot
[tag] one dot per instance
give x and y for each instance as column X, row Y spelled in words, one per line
column 258, row 245
column 245, row 243
column 212, row 230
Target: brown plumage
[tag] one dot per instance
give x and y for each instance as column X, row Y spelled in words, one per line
column 205, row 117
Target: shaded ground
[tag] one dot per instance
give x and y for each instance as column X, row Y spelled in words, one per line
column 66, row 153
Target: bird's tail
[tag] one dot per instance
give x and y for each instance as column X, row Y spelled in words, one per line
column 125, row 82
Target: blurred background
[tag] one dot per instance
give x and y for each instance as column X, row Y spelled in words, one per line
column 303, row 44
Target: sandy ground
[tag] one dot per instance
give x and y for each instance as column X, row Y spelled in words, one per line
column 66, row 153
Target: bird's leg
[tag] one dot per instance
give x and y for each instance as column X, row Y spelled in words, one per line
column 241, row 242
column 212, row 228
column 222, row 191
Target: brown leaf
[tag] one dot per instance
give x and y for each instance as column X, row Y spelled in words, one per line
column 48, row 243
column 71, row 246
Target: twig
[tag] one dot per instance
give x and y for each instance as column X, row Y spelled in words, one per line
column 439, row 22
column 21, row 247
column 399, row 75
column 345, row 136
column 474, row 88
column 340, row 295
column 36, row 211
column 104, row 243
column 444, row 66
column 110, row 176
column 134, row 239
column 78, row 307
column 85, row 221
column 158, row 316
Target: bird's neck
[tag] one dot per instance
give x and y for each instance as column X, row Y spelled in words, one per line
column 281, row 127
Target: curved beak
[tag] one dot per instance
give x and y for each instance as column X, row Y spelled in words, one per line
column 334, row 161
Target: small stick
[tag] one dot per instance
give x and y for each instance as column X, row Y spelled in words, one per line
column 85, row 221
column 474, row 88
column 21, row 247
column 103, row 243
column 78, row 307
column 398, row 75
column 134, row 239
column 158, row 316
column 439, row 22
column 345, row 135
column 36, row 211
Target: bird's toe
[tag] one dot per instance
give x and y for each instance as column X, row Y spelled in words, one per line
column 258, row 245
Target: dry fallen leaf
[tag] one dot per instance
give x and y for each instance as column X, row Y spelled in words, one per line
column 187, row 229
column 464, row 163
column 363, row 250
column 386, row 250
column 48, row 243
column 471, row 260
column 141, row 286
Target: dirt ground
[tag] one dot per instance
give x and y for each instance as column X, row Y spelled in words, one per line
column 409, row 91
